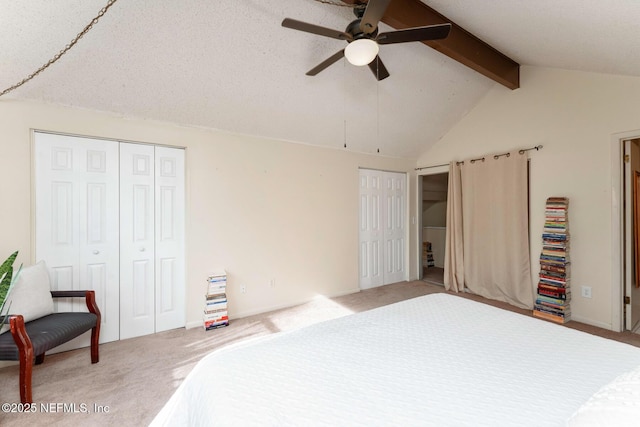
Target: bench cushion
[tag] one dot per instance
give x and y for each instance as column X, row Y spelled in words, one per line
column 48, row 332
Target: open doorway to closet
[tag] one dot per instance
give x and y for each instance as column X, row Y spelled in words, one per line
column 631, row 179
column 433, row 230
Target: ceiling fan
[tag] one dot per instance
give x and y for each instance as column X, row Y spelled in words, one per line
column 363, row 38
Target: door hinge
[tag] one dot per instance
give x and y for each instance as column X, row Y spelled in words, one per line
column 626, row 158
column 627, row 300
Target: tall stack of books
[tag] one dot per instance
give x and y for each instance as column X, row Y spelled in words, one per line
column 427, row 255
column 215, row 309
column 554, row 292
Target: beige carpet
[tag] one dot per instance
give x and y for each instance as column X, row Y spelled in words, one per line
column 434, row 275
column 136, row 377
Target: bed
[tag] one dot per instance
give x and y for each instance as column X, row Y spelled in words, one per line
column 436, row 360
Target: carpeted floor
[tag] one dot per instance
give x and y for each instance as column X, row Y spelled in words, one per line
column 434, row 275
column 135, row 377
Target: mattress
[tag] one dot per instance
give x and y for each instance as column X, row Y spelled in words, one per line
column 436, row 360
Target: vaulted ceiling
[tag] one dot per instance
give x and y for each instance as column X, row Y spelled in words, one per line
column 230, row 65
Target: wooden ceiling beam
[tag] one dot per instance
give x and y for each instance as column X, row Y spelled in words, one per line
column 461, row 45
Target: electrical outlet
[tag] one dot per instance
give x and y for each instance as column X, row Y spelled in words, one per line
column 243, row 289
column 272, row 283
column 586, row 291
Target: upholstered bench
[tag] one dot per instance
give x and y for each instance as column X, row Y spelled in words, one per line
column 34, row 327
column 29, row 341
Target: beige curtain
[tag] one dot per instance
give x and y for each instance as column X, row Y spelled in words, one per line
column 453, row 256
column 496, row 230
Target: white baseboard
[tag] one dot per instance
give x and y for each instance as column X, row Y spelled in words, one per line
column 602, row 325
column 194, row 324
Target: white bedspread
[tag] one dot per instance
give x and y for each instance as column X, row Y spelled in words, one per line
column 437, row 360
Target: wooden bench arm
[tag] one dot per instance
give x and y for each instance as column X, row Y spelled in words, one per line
column 67, row 294
column 90, row 297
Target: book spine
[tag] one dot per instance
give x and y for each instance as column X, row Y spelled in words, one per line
column 551, row 317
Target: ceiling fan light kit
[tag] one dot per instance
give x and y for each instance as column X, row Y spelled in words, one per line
column 363, row 38
column 361, row 52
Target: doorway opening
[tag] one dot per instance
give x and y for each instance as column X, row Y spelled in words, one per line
column 631, row 227
column 433, row 215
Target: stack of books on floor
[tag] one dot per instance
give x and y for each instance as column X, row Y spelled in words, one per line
column 554, row 292
column 427, row 255
column 215, row 310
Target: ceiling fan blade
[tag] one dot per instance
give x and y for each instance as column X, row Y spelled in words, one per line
column 378, row 69
column 430, row 32
column 324, row 64
column 372, row 15
column 316, row 29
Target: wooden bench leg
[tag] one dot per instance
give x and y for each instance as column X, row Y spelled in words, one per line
column 90, row 297
column 25, row 353
column 95, row 338
column 39, row 359
column 26, row 370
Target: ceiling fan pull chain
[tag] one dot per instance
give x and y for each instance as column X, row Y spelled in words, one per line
column 63, row 51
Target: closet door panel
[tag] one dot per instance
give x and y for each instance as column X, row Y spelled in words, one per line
column 99, row 231
column 371, row 233
column 137, row 240
column 169, row 237
column 76, row 211
column 394, row 227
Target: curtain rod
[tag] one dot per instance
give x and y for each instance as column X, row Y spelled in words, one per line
column 497, row 156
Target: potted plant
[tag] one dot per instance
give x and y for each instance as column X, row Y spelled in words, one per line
column 7, row 279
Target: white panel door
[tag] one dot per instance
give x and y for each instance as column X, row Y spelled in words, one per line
column 371, row 234
column 76, row 211
column 394, row 186
column 137, row 240
column 382, row 228
column 169, row 238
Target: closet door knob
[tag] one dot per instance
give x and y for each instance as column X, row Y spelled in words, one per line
column 141, row 249
column 96, row 252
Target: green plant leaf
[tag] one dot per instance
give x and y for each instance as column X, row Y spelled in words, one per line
column 6, row 274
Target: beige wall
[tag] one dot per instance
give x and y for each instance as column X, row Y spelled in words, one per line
column 262, row 209
column 574, row 115
column 434, row 214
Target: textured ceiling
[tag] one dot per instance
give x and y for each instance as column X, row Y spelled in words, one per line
column 229, row 65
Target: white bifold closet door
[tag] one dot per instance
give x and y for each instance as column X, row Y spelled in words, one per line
column 382, row 228
column 76, row 222
column 151, row 239
column 110, row 217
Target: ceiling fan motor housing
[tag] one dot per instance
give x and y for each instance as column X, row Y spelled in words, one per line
column 354, row 29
